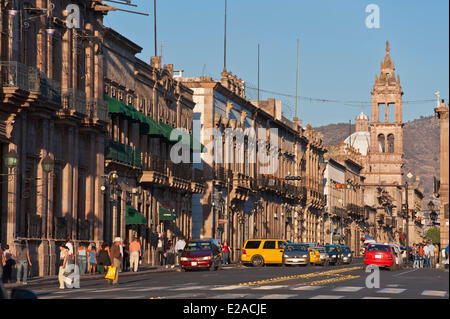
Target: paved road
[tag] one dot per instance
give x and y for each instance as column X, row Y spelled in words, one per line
column 314, row 282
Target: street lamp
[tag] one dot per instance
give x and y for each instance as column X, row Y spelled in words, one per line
column 11, row 158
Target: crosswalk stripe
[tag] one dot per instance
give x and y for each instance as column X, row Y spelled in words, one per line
column 232, row 287
column 277, row 296
column 327, row 297
column 434, row 293
column 189, row 288
column 376, row 298
column 306, row 288
column 391, row 291
column 268, row 287
column 130, row 297
column 182, row 296
column 348, row 289
column 151, row 289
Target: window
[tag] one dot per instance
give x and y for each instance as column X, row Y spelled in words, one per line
column 381, row 143
column 281, row 245
column 270, row 244
column 253, row 244
column 390, row 139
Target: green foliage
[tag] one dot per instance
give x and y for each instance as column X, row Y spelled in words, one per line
column 434, row 234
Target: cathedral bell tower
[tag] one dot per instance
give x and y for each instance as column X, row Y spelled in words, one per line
column 386, row 127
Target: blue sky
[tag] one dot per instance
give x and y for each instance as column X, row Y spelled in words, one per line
column 339, row 55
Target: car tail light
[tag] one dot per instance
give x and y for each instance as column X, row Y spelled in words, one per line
column 244, row 252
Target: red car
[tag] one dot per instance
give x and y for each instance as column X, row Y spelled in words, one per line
column 380, row 255
column 201, row 254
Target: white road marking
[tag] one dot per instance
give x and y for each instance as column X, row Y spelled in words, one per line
column 189, row 288
column 112, row 289
column 376, row 298
column 131, row 297
column 181, row 296
column 306, row 288
column 405, row 272
column 391, row 291
column 268, row 287
column 434, row 293
column 277, row 296
column 348, row 289
column 393, row 285
column 327, row 297
column 232, row 287
column 151, row 288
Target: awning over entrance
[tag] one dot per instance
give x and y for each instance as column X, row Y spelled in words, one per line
column 133, row 217
column 165, row 214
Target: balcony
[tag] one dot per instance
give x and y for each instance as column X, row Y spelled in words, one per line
column 97, row 109
column 123, row 154
column 17, row 75
column 339, row 212
column 74, row 100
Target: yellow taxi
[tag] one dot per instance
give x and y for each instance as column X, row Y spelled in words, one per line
column 259, row 252
column 314, row 255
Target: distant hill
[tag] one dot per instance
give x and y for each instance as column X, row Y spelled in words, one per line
column 420, row 144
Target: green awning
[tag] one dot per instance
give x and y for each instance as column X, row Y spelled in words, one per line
column 165, row 214
column 133, row 217
column 181, row 134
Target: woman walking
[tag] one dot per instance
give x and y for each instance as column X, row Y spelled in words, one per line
column 103, row 258
column 63, row 257
column 92, row 255
column 225, row 253
column 9, row 264
column 82, row 258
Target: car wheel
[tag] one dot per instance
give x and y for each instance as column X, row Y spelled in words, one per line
column 219, row 266
column 257, row 261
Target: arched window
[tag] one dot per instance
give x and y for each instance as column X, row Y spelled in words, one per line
column 390, row 139
column 381, row 143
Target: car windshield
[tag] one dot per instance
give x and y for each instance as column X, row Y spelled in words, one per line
column 330, row 249
column 320, row 249
column 296, row 248
column 382, row 248
column 198, row 246
column 346, row 250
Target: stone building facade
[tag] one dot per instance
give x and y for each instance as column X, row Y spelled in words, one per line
column 52, row 109
column 145, row 104
column 441, row 112
column 246, row 197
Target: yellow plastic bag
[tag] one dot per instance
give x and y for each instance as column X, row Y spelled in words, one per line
column 111, row 274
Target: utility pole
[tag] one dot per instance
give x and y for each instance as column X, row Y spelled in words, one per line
column 296, row 80
column 225, row 40
column 154, row 20
column 258, row 72
column 407, row 225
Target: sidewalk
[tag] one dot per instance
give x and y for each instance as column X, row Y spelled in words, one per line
column 53, row 280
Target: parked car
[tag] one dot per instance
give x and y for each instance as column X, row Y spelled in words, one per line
column 259, row 252
column 295, row 254
column 397, row 254
column 324, row 258
column 201, row 254
column 314, row 256
column 334, row 253
column 382, row 255
column 347, row 255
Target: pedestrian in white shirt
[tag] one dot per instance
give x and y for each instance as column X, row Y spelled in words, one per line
column 431, row 249
column 426, row 253
column 179, row 247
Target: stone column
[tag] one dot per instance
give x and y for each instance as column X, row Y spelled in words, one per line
column 50, row 199
column 67, row 179
column 75, row 183
column 97, row 193
column 91, row 173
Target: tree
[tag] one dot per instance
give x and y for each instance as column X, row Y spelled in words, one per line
column 434, row 234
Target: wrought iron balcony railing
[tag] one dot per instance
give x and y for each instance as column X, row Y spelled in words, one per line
column 74, row 100
column 16, row 74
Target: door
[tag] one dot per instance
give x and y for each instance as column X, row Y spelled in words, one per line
column 269, row 251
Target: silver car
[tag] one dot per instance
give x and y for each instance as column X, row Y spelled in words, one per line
column 324, row 256
column 295, row 254
column 347, row 255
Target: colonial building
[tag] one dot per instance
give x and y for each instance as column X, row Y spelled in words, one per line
column 52, row 127
column 152, row 194
column 345, row 196
column 441, row 112
column 248, row 191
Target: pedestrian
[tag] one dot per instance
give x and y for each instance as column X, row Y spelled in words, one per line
column 160, row 249
column 431, row 250
column 179, row 247
column 135, row 253
column 92, row 261
column 421, row 256
column 8, row 266
column 69, row 246
column 103, row 259
column 63, row 258
column 82, row 258
column 426, row 253
column 446, row 257
column 415, row 256
column 126, row 255
column 2, row 262
column 225, row 253
column 22, row 261
column 116, row 259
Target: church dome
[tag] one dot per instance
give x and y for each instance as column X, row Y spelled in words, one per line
column 360, row 141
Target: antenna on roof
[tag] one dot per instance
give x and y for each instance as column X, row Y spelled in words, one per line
column 100, row 6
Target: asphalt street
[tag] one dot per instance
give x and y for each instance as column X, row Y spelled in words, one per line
column 270, row 282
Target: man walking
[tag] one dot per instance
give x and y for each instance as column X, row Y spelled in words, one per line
column 426, row 253
column 179, row 247
column 116, row 258
column 22, row 261
column 431, row 251
column 135, row 253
